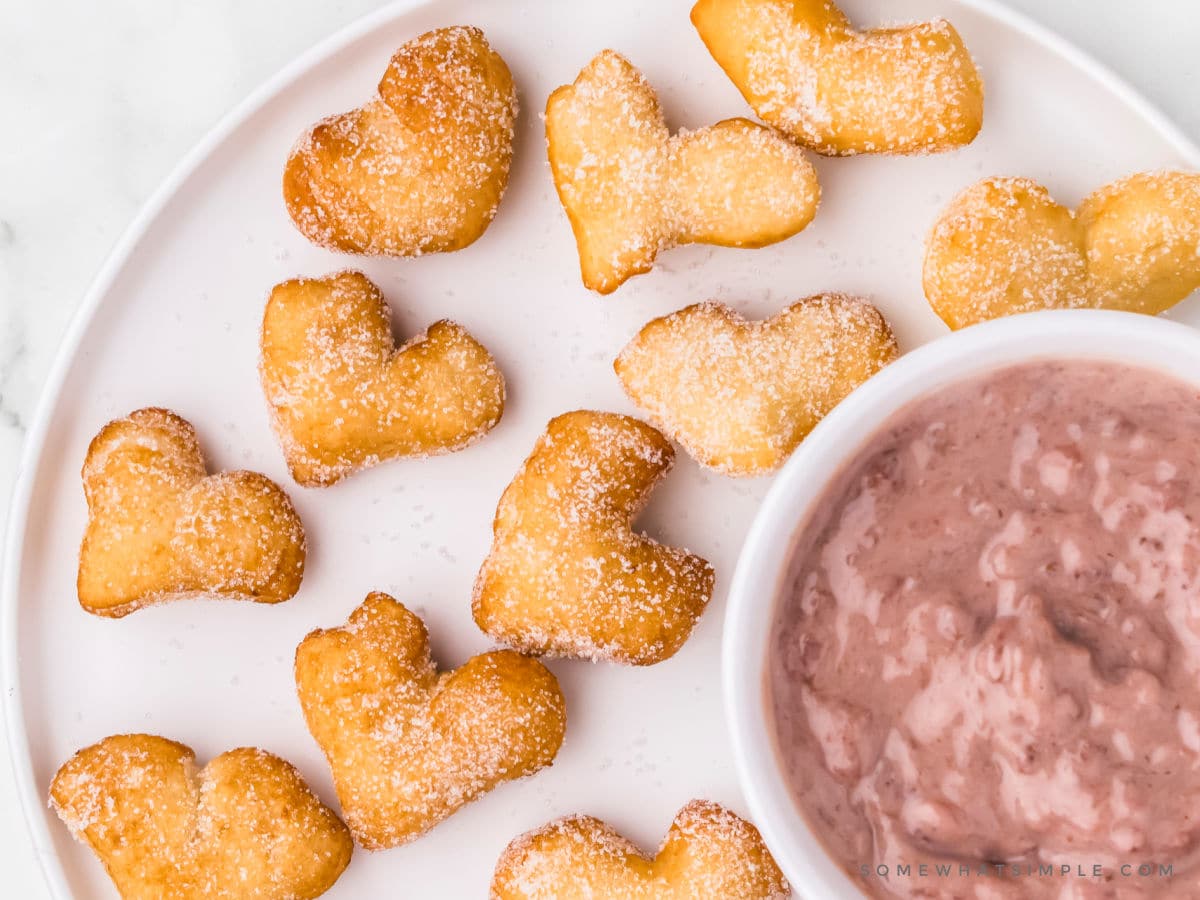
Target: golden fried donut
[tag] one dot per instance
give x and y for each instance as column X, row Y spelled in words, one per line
column 806, row 70
column 244, row 826
column 631, row 189
column 740, row 396
column 709, row 853
column 1004, row 246
column 409, row 745
column 343, row 396
column 567, row 575
column 160, row 528
column 420, row 168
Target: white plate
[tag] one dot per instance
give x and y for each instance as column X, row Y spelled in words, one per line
column 173, row 320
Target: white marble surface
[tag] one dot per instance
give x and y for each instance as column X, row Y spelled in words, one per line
column 99, row 100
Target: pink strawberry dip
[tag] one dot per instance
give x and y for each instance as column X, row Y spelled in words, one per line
column 985, row 676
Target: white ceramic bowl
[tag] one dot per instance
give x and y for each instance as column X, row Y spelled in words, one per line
column 762, row 568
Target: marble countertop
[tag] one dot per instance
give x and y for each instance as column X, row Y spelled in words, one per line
column 102, row 99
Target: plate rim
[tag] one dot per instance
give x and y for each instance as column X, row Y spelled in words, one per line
column 30, row 795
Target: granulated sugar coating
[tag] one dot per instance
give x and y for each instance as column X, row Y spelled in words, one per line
column 343, row 397
column 708, row 854
column 419, row 169
column 409, row 745
column 245, row 827
column 989, row 649
column 740, row 396
column 807, row 71
column 567, row 575
column 1004, row 246
column 159, row 528
column 632, row 190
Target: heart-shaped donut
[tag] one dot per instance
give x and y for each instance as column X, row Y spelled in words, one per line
column 160, row 528
column 244, row 826
column 409, row 745
column 420, row 168
column 631, row 189
column 740, row 396
column 344, row 397
column 709, row 853
column 1004, row 246
column 806, row 70
column 567, row 574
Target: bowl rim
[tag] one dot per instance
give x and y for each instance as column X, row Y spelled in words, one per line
column 761, row 572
